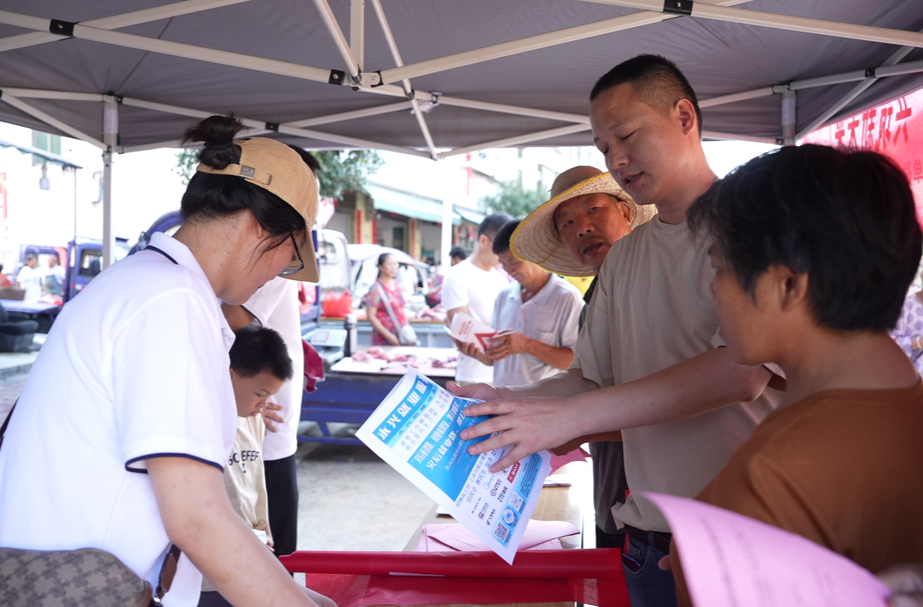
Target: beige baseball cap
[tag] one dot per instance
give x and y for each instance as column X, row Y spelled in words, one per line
column 276, row 167
column 537, row 239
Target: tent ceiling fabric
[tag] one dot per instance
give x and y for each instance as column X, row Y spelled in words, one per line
column 719, row 57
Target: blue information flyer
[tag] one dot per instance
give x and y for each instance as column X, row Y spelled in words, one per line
column 417, row 428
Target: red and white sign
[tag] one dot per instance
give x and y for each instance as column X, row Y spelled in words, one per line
column 892, row 128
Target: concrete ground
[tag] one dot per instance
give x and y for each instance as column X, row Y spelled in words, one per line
column 351, row 500
column 348, row 498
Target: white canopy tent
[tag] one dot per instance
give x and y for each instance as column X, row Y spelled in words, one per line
column 436, row 79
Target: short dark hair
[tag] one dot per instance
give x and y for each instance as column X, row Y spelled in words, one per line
column 502, row 239
column 309, row 158
column 210, row 196
column 844, row 218
column 459, row 252
column 492, row 224
column 657, row 80
column 257, row 349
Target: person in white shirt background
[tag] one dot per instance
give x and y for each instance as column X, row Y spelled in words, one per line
column 30, row 278
column 537, row 319
column 472, row 286
column 53, row 277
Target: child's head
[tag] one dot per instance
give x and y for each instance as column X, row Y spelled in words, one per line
column 841, row 225
column 259, row 366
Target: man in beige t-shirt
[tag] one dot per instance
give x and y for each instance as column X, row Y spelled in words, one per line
column 650, row 366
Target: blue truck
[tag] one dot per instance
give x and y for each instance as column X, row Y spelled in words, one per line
column 81, row 260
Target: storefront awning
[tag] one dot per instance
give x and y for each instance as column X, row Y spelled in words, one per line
column 469, row 215
column 43, row 154
column 407, row 204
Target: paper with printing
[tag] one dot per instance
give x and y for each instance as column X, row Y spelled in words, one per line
column 416, row 430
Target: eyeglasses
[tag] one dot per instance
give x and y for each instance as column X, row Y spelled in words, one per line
column 297, row 263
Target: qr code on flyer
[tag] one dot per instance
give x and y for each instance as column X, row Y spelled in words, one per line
column 502, row 532
column 516, row 501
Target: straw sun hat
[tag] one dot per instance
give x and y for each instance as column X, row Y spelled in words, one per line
column 537, row 240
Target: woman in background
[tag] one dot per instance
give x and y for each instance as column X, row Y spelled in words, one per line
column 384, row 293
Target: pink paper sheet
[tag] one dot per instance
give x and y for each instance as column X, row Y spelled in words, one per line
column 577, row 455
column 542, row 535
column 731, row 560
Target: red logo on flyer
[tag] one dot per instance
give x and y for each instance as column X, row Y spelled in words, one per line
column 483, row 338
column 514, row 470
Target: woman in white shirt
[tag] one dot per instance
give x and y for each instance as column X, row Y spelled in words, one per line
column 120, row 435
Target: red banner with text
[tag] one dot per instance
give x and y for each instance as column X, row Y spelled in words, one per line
column 892, row 128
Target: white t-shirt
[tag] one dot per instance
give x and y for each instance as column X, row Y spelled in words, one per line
column 30, row 279
column 465, row 284
column 275, row 306
column 134, row 367
column 57, row 272
column 652, row 309
column 245, row 479
column 552, row 317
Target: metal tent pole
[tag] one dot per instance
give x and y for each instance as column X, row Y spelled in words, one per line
column 357, row 30
column 808, row 25
column 855, row 92
column 48, row 119
column 446, row 234
column 532, row 43
column 408, row 88
column 518, row 140
column 352, row 63
column 719, row 136
column 512, row 109
column 789, row 116
column 110, row 136
column 364, row 113
column 118, row 21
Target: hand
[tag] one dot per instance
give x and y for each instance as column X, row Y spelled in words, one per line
column 529, row 424
column 592, row 438
column 475, row 391
column 472, row 350
column 568, row 446
column 319, row 599
column 269, row 416
column 905, row 583
column 507, row 343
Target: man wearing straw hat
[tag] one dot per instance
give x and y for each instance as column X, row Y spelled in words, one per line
column 571, row 235
column 651, row 366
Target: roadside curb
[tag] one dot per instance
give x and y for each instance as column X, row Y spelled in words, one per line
column 7, row 372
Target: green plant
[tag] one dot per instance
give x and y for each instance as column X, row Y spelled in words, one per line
column 345, row 171
column 186, row 162
column 514, row 199
column 340, row 171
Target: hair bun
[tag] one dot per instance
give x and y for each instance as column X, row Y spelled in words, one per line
column 217, row 133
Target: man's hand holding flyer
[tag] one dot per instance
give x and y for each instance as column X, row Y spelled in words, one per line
column 467, row 330
column 416, row 430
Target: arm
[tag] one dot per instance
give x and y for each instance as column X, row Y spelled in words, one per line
column 700, row 384
column 372, row 313
column 508, row 343
column 564, row 384
column 199, row 519
column 237, row 316
column 451, row 313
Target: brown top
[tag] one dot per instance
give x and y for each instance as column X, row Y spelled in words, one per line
column 843, row 468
